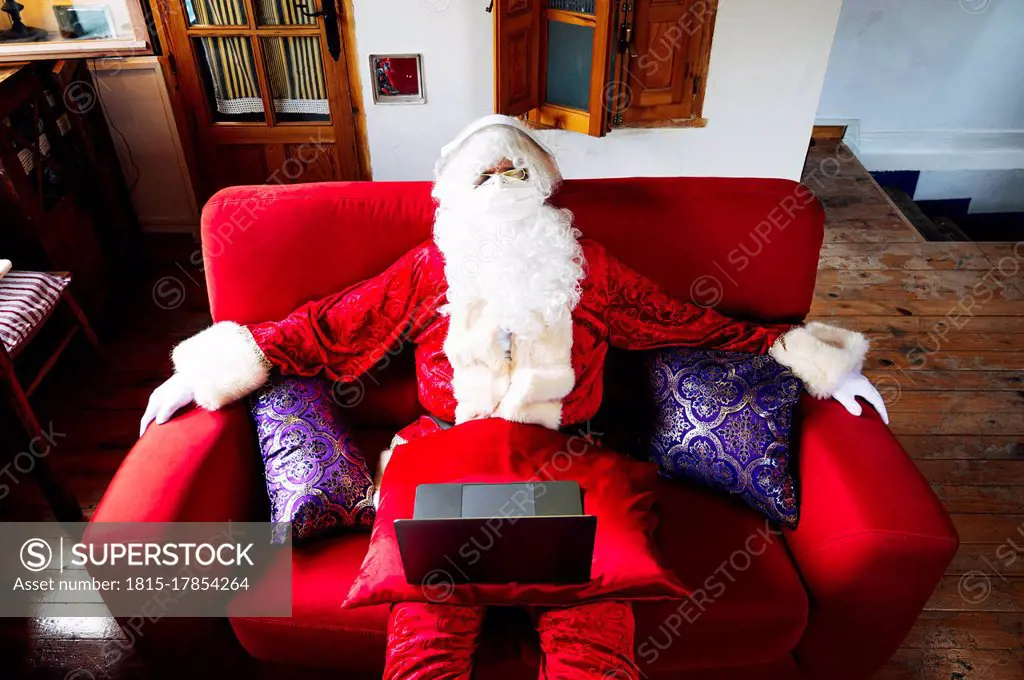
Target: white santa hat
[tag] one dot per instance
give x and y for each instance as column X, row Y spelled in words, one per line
column 482, row 144
column 488, row 121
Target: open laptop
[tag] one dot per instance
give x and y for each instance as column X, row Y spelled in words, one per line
column 526, row 532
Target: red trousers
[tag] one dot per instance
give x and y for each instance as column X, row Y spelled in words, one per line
column 437, row 641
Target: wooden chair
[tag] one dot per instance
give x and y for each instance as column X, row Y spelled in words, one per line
column 27, row 301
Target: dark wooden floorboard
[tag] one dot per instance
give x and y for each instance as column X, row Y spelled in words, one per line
column 97, row 406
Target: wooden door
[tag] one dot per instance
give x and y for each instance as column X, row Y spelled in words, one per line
column 264, row 91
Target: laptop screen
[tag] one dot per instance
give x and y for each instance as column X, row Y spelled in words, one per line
column 499, row 500
column 514, row 499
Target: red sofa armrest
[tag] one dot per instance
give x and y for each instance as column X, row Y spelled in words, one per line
column 872, row 543
column 198, row 467
column 202, row 466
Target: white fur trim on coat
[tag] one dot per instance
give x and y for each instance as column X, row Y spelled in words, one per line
column 478, row 390
column 222, row 364
column 530, row 385
column 542, row 376
column 821, row 355
column 526, row 387
column 480, row 374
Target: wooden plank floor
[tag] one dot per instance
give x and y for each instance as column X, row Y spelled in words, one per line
column 97, row 407
column 947, row 321
column 947, row 326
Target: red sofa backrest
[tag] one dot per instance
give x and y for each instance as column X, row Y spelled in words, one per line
column 748, row 246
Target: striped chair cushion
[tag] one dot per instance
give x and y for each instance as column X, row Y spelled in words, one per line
column 26, row 299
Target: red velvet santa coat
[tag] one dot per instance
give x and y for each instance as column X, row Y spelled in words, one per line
column 345, row 334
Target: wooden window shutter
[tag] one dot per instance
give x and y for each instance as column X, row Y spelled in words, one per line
column 664, row 64
column 517, row 25
column 565, row 48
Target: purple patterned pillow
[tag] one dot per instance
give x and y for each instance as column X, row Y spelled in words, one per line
column 316, row 478
column 723, row 419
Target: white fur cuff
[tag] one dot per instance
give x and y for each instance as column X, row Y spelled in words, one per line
column 222, row 364
column 477, row 391
column 532, row 385
column 821, row 355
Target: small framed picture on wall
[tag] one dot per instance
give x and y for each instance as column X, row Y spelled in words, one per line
column 397, row 79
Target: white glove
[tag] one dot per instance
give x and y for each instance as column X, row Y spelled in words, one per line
column 166, row 400
column 855, row 385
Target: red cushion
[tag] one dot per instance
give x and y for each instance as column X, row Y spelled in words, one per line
column 618, row 491
column 320, row 634
column 748, row 604
column 756, row 618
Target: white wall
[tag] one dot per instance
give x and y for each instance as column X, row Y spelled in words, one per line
column 934, row 84
column 990, row 191
column 768, row 62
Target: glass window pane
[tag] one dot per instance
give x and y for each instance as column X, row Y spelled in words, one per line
column 229, row 70
column 296, row 73
column 284, row 12
column 578, row 6
column 216, row 12
column 570, row 54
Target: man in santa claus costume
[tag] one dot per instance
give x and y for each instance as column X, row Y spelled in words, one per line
column 511, row 314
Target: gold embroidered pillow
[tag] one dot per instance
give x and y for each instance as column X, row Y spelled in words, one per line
column 316, row 477
column 723, row 419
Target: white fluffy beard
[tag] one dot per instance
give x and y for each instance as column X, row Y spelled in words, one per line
column 527, row 270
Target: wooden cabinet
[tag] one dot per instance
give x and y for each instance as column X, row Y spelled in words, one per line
column 63, row 202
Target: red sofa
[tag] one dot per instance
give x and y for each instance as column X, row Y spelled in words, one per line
column 832, row 599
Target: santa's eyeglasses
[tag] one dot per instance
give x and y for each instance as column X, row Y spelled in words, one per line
column 518, row 174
